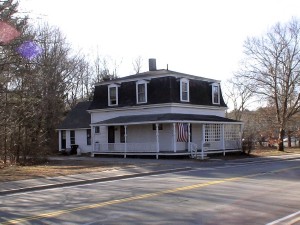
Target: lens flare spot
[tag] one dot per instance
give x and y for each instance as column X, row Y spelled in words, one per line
column 29, row 50
column 7, row 33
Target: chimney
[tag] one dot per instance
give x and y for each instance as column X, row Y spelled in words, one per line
column 152, row 64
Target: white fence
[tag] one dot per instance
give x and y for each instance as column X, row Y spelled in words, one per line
column 125, row 147
column 215, row 147
column 151, row 147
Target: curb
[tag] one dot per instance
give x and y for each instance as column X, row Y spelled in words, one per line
column 90, row 181
column 264, row 160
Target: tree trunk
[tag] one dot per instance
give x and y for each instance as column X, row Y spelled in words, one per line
column 280, row 140
column 289, row 139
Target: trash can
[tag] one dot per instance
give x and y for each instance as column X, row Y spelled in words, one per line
column 73, row 149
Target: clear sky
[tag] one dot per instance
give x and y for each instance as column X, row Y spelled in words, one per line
column 199, row 37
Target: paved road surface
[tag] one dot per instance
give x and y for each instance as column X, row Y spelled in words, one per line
column 256, row 193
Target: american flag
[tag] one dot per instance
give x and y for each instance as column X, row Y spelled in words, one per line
column 182, row 132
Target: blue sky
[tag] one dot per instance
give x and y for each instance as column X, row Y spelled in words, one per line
column 199, row 37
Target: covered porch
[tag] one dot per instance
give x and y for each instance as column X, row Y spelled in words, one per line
column 166, row 134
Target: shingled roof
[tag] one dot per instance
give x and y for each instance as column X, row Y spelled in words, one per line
column 77, row 118
column 168, row 117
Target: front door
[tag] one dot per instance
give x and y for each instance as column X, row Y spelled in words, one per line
column 122, row 134
column 111, row 134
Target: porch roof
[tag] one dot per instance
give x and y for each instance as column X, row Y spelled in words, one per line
column 165, row 118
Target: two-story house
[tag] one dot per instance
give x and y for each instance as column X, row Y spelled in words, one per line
column 159, row 112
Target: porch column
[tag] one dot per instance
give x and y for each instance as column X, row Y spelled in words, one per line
column 189, row 137
column 223, row 138
column 241, row 135
column 125, row 137
column 157, row 140
column 174, row 138
column 93, row 140
column 203, row 141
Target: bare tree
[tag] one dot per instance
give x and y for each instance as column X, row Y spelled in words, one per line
column 239, row 95
column 272, row 66
column 9, row 64
column 104, row 69
column 137, row 64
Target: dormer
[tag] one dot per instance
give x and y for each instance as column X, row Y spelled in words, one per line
column 215, row 87
column 113, row 95
column 184, row 90
column 141, row 91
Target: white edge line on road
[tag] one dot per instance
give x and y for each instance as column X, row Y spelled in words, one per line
column 284, row 218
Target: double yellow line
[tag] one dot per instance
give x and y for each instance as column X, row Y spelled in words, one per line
column 138, row 197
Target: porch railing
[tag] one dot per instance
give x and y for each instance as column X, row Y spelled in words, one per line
column 125, row 147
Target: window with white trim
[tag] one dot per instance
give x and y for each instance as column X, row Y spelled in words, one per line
column 215, row 94
column 112, row 95
column 160, row 126
column 97, row 130
column 88, row 137
column 72, row 137
column 141, row 92
column 184, row 90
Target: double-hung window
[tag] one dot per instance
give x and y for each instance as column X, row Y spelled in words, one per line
column 215, row 93
column 184, row 90
column 112, row 95
column 97, row 130
column 72, row 137
column 88, row 136
column 141, row 92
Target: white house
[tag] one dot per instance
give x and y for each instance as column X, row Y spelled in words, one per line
column 159, row 112
column 76, row 130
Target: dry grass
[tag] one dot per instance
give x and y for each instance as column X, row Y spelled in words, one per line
column 274, row 152
column 55, row 168
column 67, row 167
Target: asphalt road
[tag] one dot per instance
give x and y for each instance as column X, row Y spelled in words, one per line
column 256, row 193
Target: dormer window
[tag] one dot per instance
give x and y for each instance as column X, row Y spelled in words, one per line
column 141, row 92
column 215, row 93
column 112, row 95
column 184, row 90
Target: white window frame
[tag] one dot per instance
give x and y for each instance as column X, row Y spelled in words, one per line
column 184, row 81
column 117, row 94
column 213, row 86
column 97, row 129
column 143, row 82
column 88, row 137
column 72, row 138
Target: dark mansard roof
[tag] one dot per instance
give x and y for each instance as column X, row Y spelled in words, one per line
column 163, row 87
